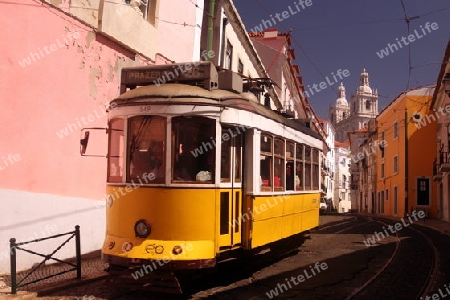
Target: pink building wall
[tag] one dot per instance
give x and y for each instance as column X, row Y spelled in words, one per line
column 56, row 75
column 176, row 41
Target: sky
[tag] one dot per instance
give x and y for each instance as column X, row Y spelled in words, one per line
column 329, row 35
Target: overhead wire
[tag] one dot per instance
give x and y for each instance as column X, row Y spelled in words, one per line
column 407, row 20
column 350, row 24
column 371, row 22
column 184, row 24
column 299, row 46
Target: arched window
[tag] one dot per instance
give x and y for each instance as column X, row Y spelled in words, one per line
column 368, row 105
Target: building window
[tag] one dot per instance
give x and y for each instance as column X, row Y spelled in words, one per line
column 344, row 181
column 228, row 56
column 379, row 200
column 240, row 68
column 395, row 200
column 148, row 9
column 386, row 193
column 382, row 170
column 342, row 196
column 266, row 163
column 381, row 147
column 395, row 164
column 395, row 129
column 368, row 105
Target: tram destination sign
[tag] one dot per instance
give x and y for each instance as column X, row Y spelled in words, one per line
column 197, row 72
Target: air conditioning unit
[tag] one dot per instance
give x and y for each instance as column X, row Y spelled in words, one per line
column 230, row 81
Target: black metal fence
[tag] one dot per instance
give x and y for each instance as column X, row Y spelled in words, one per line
column 13, row 246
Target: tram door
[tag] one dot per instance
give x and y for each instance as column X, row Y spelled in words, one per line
column 231, row 187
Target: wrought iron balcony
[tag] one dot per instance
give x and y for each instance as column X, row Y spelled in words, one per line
column 444, row 162
column 437, row 175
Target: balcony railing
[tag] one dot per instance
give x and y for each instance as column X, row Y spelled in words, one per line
column 444, row 162
column 437, row 175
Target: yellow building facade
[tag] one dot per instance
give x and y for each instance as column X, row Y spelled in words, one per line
column 404, row 164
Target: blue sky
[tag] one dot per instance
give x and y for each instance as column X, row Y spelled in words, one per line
column 331, row 35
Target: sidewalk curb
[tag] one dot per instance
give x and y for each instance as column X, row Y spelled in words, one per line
column 420, row 223
column 434, row 228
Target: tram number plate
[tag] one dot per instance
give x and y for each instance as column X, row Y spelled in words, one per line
column 145, row 108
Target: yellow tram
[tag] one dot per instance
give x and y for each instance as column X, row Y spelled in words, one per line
column 198, row 167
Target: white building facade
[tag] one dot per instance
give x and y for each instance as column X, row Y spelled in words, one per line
column 342, row 177
column 328, row 166
column 363, row 107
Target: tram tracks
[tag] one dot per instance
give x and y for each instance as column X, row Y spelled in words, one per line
column 408, row 273
column 405, row 265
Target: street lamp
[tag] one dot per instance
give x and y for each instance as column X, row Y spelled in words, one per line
column 446, row 82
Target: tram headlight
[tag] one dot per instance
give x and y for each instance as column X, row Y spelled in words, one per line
column 142, row 228
column 177, row 250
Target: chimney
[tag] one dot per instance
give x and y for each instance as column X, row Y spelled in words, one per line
column 270, row 33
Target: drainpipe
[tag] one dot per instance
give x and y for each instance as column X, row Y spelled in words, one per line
column 209, row 44
column 221, row 56
column 101, row 7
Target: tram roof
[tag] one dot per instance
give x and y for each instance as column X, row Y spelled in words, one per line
column 180, row 93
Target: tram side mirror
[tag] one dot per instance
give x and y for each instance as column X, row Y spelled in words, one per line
column 97, row 140
column 84, row 142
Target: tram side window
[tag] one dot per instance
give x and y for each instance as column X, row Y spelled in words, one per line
column 231, row 144
column 225, row 158
column 299, row 167
column 307, row 168
column 290, row 177
column 146, row 144
column 266, row 163
column 116, row 150
column 278, row 179
column 315, row 169
column 238, row 155
column 194, row 143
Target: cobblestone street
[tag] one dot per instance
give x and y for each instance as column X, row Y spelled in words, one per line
column 344, row 253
